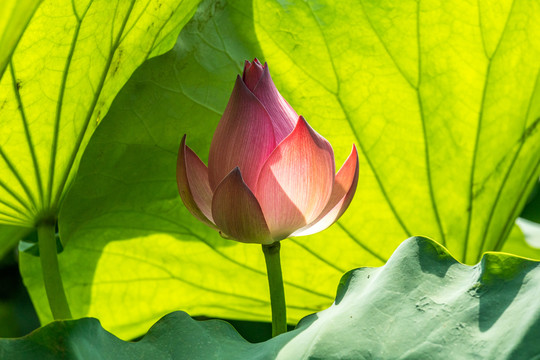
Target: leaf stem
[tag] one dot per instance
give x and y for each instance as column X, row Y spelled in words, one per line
column 277, row 293
column 51, row 272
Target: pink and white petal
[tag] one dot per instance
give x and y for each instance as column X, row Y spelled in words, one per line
column 252, row 73
column 296, row 181
column 284, row 117
column 244, row 138
column 193, row 185
column 237, row 212
column 342, row 195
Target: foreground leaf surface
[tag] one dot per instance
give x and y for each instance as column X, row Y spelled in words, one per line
column 72, row 59
column 442, row 101
column 421, row 304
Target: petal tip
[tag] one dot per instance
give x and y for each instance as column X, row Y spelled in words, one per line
column 236, row 172
column 183, row 141
column 303, row 126
column 237, row 212
column 354, row 152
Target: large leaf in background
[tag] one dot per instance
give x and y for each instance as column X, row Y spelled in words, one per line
column 422, row 304
column 14, row 17
column 71, row 61
column 442, row 97
column 446, row 127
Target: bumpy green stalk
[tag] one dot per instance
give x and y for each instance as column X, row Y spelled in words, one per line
column 277, row 293
column 51, row 272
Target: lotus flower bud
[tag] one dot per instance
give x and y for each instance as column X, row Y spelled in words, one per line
column 269, row 174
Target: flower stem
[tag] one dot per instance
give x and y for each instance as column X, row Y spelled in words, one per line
column 277, row 293
column 51, row 272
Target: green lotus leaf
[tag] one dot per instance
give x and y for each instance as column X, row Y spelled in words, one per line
column 72, row 59
column 14, row 18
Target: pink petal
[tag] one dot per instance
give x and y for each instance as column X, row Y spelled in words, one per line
column 296, row 181
column 342, row 195
column 283, row 115
column 237, row 212
column 193, row 185
column 252, row 73
column 244, row 138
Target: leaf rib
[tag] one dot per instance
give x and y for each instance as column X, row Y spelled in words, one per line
column 361, row 244
column 19, row 214
column 60, row 103
column 481, row 29
column 156, row 44
column 288, row 55
column 22, row 182
column 172, row 276
column 257, row 271
column 473, row 165
column 125, row 31
column 317, row 256
column 31, row 147
column 379, row 38
column 507, row 174
column 516, row 209
column 223, row 44
column 424, row 131
column 10, row 206
column 353, row 130
column 15, row 220
column 80, row 136
column 198, row 102
column 477, row 137
column 225, row 256
column 16, row 197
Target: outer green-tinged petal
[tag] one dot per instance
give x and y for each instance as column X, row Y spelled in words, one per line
column 244, row 138
column 237, row 212
column 193, row 185
column 342, row 195
column 252, row 73
column 283, row 115
column 296, row 181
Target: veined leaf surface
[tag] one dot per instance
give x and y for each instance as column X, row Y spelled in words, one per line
column 14, row 17
column 72, row 59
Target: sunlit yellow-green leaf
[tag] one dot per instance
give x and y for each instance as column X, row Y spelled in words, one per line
column 72, row 59
column 14, row 17
column 442, row 97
